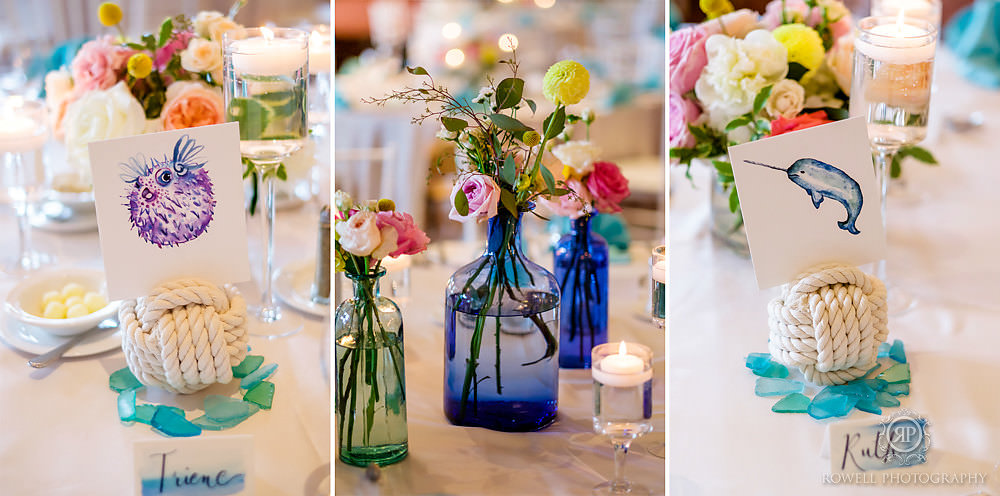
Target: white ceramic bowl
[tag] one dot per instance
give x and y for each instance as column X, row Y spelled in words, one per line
column 24, row 302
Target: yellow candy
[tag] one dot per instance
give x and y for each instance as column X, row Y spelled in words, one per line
column 50, row 296
column 55, row 310
column 78, row 310
column 73, row 300
column 95, row 301
column 73, row 289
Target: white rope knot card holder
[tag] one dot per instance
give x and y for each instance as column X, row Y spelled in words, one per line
column 185, row 336
column 829, row 323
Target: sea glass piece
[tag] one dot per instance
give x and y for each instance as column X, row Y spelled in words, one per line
column 258, row 375
column 772, row 369
column 873, row 369
column 897, row 352
column 873, row 384
column 126, row 405
column 897, row 373
column 793, row 403
column 247, row 366
column 828, row 403
column 758, row 361
column 898, row 389
column 208, row 424
column 869, row 405
column 224, row 408
column 773, row 386
column 168, row 422
column 883, row 350
column 144, row 413
column 885, row 399
column 261, row 395
column 123, row 380
column 858, row 390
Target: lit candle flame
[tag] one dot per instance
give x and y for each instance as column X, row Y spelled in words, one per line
column 899, row 24
column 268, row 34
column 622, row 350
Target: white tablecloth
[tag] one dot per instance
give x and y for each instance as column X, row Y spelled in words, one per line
column 59, row 427
column 942, row 238
column 565, row 458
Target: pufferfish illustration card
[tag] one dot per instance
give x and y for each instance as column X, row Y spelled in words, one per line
column 170, row 206
column 809, row 197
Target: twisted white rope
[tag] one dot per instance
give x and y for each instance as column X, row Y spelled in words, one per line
column 829, row 324
column 185, row 336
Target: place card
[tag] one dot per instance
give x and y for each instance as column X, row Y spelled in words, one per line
column 209, row 466
column 809, row 197
column 855, row 446
column 170, row 205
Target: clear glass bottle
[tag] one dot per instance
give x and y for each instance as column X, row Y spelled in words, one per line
column 581, row 267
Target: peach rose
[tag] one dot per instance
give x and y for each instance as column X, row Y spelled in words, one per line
column 220, row 26
column 202, row 56
column 841, row 61
column 192, row 104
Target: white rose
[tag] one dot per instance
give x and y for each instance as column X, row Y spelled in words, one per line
column 204, row 20
column 359, row 235
column 787, row 99
column 220, row 26
column 577, row 155
column 100, row 115
column 202, row 56
column 736, row 71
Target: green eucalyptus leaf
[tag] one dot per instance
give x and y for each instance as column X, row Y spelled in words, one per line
column 531, row 105
column 453, row 124
column 508, row 171
column 509, row 201
column 417, row 71
column 550, row 182
column 509, row 93
column 509, row 124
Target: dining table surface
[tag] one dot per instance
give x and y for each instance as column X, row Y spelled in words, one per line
column 942, row 238
column 564, row 458
column 59, row 428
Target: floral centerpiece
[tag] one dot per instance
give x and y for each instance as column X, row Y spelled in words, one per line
column 501, row 322
column 117, row 87
column 740, row 76
column 371, row 385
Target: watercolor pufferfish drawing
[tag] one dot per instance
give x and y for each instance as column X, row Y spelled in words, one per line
column 170, row 201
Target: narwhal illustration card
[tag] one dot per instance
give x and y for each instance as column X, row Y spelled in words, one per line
column 809, row 197
column 170, row 206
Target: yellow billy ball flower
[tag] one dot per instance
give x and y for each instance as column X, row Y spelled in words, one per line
column 715, row 8
column 140, row 65
column 569, row 172
column 803, row 43
column 109, row 14
column 531, row 138
column 386, row 205
column 566, row 83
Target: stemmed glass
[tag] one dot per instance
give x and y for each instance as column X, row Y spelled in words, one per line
column 891, row 88
column 264, row 82
column 658, row 285
column 23, row 130
column 623, row 404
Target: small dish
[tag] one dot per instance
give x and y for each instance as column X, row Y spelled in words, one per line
column 32, row 340
column 24, row 302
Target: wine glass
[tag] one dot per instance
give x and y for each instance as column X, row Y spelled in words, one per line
column 623, row 404
column 264, row 82
column 658, row 285
column 891, row 88
column 23, row 133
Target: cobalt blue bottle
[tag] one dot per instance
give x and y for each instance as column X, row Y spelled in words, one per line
column 581, row 267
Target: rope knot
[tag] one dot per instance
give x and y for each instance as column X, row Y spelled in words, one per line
column 185, row 336
column 829, row 323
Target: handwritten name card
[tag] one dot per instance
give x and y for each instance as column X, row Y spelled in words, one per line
column 209, row 466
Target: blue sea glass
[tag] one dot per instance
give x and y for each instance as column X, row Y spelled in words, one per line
column 247, row 366
column 224, row 408
column 123, row 380
column 793, row 403
column 897, row 373
column 828, row 403
column 896, row 352
column 773, row 369
column 883, row 350
column 898, row 389
column 869, row 405
column 262, row 394
column 770, row 386
column 886, row 399
column 758, row 361
column 206, row 423
column 258, row 375
column 168, row 422
column 581, row 267
column 873, row 369
column 126, row 405
column 873, row 384
column 144, row 413
column 501, row 364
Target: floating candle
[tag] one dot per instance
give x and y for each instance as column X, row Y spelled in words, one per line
column 899, row 41
column 621, row 369
column 20, row 134
column 660, row 271
column 268, row 55
column 319, row 52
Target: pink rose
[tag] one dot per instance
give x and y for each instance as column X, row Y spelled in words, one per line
column 483, row 195
column 192, row 104
column 410, row 240
column 95, row 67
column 608, row 187
column 569, row 205
column 734, row 24
column 682, row 113
column 687, row 58
column 177, row 43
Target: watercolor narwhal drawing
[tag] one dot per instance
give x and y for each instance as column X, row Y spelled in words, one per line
column 170, row 201
column 822, row 180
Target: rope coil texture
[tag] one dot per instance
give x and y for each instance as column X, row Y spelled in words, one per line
column 829, row 324
column 187, row 335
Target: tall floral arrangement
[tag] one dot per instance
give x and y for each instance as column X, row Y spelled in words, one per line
column 117, row 87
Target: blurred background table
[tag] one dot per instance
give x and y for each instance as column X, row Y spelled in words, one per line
column 942, row 238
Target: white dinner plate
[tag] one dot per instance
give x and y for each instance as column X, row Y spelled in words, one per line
column 293, row 283
column 33, row 340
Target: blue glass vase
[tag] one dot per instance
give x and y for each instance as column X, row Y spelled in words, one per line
column 581, row 266
column 501, row 368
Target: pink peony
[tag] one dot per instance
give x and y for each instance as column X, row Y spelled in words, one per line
column 682, row 113
column 687, row 58
column 96, row 66
column 734, row 24
column 608, row 187
column 569, row 205
column 411, row 240
column 483, row 195
column 176, row 44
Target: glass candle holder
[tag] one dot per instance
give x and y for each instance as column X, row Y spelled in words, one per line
column 23, row 132
column 623, row 404
column 265, row 83
column 658, row 285
column 928, row 10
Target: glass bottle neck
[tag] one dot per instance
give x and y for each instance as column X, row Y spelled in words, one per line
column 580, row 228
column 504, row 232
column 366, row 286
